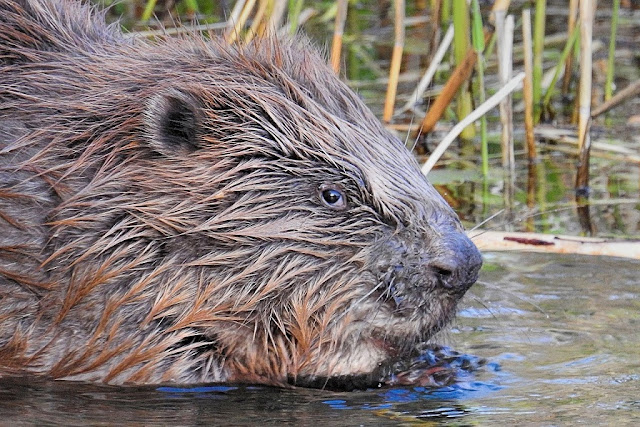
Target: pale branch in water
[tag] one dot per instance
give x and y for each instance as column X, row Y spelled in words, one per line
column 431, row 71
column 551, row 243
column 475, row 115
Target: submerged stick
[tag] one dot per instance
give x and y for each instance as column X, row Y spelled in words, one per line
column 475, row 115
column 396, row 60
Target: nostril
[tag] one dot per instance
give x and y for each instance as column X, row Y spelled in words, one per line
column 444, row 271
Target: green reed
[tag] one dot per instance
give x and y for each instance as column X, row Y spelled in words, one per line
column 568, row 48
column 477, row 37
column 608, row 86
column 538, row 50
column 461, row 44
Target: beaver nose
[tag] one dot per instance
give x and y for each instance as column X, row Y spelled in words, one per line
column 456, row 262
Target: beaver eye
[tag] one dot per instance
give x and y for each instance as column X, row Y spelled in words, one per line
column 333, row 196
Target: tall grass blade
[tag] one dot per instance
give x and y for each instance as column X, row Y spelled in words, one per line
column 568, row 48
column 608, row 86
column 461, row 45
column 538, row 50
column 477, row 37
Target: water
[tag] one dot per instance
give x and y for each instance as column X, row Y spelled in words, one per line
column 560, row 335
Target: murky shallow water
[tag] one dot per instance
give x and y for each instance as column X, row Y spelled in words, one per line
column 560, row 334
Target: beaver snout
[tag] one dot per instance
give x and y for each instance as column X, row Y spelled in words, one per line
column 456, row 263
column 413, row 270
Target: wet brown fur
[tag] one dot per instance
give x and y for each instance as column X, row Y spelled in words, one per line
column 161, row 212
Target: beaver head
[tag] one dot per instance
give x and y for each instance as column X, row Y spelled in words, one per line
column 190, row 212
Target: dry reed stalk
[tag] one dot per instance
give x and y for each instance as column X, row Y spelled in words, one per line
column 620, row 158
column 211, row 29
column 498, row 5
column 276, row 15
column 242, row 19
column 528, row 82
column 396, row 60
column 628, row 92
column 434, row 28
column 232, row 29
column 425, row 81
column 460, row 75
column 586, row 69
column 504, row 31
column 258, row 21
column 584, row 109
column 501, row 5
column 561, row 137
column 338, row 33
column 475, row 115
column 568, row 67
column 412, row 128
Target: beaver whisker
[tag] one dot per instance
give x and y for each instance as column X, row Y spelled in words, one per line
column 477, row 226
column 513, row 294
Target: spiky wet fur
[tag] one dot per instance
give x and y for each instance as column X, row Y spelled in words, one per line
column 132, row 252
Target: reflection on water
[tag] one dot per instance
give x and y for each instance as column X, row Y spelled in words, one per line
column 560, row 334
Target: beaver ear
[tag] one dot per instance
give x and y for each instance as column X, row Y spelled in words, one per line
column 173, row 119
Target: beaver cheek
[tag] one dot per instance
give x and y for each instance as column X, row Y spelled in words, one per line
column 413, row 272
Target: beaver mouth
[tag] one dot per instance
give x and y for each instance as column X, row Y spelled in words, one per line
column 405, row 329
column 418, row 298
column 410, row 310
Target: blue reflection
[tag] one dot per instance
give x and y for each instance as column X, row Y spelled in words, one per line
column 387, row 398
column 203, row 389
column 458, row 391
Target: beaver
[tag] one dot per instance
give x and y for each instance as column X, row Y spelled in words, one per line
column 182, row 211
